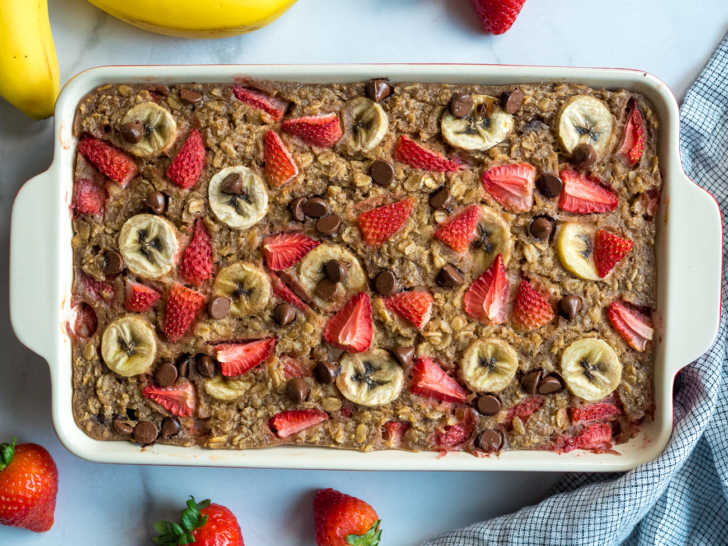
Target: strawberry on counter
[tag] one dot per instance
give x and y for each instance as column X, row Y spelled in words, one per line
column 201, row 524
column 342, row 520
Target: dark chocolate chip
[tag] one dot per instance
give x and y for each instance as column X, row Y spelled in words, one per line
column 113, row 262
column 219, row 307
column 232, row 184
column 166, row 374
column 385, row 283
column 335, row 270
column 378, row 89
column 512, row 101
column 190, row 96
column 488, row 404
column 296, row 208
column 329, row 224
column 449, row 277
column 205, row 365
column 122, row 427
column 549, row 185
column 441, row 199
column 315, row 207
column 583, row 156
column 325, row 289
column 490, row 440
column 530, row 380
column 326, row 372
column 157, row 201
column 569, row 306
column 404, row 355
column 131, row 413
column 284, row 314
column 170, row 428
column 145, row 433
column 461, row 104
column 132, row 132
column 298, row 390
column 550, row 384
column 381, row 172
column 541, row 227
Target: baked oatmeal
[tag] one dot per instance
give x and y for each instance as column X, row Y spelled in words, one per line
column 366, row 266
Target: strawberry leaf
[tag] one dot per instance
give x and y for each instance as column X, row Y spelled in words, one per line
column 6, row 454
column 171, row 533
column 370, row 538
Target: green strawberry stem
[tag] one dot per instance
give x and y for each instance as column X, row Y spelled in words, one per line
column 6, row 454
column 370, row 538
column 172, row 533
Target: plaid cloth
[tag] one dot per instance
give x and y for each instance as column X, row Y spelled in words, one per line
column 681, row 497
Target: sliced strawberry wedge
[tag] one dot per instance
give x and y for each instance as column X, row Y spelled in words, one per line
column 238, row 358
column 351, row 329
column 524, row 409
column 97, row 289
column 633, row 325
column 289, row 422
column 111, row 162
column 596, row 437
column 282, row 290
column 511, row 185
column 452, row 436
column 186, row 167
column 599, row 412
column 179, row 399
column 88, row 197
column 323, row 130
column 283, row 250
column 394, row 431
column 140, row 297
column 379, row 224
column 459, row 230
column 487, row 297
column 430, row 380
column 410, row 153
column 196, row 262
column 182, row 307
column 609, row 250
column 585, row 195
column 414, row 306
column 280, row 166
column 273, row 106
column 531, row 308
column 633, row 140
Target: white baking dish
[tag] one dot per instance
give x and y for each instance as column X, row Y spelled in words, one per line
column 689, row 265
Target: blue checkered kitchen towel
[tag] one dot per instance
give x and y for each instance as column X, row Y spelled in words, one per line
column 682, row 496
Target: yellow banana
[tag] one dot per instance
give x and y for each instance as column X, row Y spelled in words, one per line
column 195, row 18
column 28, row 64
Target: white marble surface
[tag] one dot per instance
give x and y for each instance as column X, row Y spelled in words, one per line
column 115, row 505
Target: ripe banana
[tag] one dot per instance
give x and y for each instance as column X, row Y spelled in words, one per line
column 29, row 77
column 195, row 19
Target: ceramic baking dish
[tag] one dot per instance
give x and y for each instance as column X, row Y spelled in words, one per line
column 689, row 264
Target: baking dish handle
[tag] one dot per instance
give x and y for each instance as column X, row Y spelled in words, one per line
column 32, row 260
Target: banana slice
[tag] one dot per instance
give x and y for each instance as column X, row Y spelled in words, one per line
column 246, row 285
column 370, row 379
column 486, row 126
column 366, row 122
column 311, row 271
column 591, row 369
column 575, row 247
column 149, row 245
column 585, row 120
column 128, row 346
column 493, row 237
column 488, row 365
column 158, row 129
column 226, row 390
column 239, row 211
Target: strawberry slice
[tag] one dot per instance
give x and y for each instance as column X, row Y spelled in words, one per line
column 183, row 304
column 273, row 106
column 459, row 230
column 379, row 224
column 186, row 167
column 633, row 325
column 394, row 431
column 451, row 436
column 281, row 290
column 88, row 197
column 140, row 297
column 97, row 289
column 110, row 161
column 531, row 309
column 584, row 195
column 280, row 167
column 511, row 185
column 283, row 250
column 633, row 140
column 289, row 422
column 523, row 410
column 407, row 151
column 609, row 250
column 430, row 380
column 351, row 329
column 487, row 297
column 238, row 358
column 600, row 412
column 596, row 437
column 196, row 263
column 322, row 130
column 414, row 306
column 179, row 399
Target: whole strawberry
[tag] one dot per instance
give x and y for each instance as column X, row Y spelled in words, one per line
column 28, row 486
column 342, row 520
column 201, row 524
column 497, row 16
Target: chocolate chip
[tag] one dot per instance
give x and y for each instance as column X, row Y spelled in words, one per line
column 190, row 96
column 157, row 201
column 381, row 172
column 449, row 277
column 329, row 224
column 219, row 307
column 296, row 208
column 298, row 390
column 122, row 427
column 205, row 365
column 461, row 104
column 488, row 404
column 284, row 314
column 569, row 306
column 404, row 355
column 530, row 380
column 441, row 199
column 315, row 207
column 378, row 89
column 183, row 365
column 170, row 428
column 490, row 440
column 232, row 184
column 166, row 374
column 549, row 185
column 159, row 89
column 113, row 263
column 132, row 132
column 512, row 101
column 541, row 227
column 145, row 433
column 325, row 289
column 335, row 270
column 385, row 283
column 550, row 384
column 583, row 156
column 326, row 372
